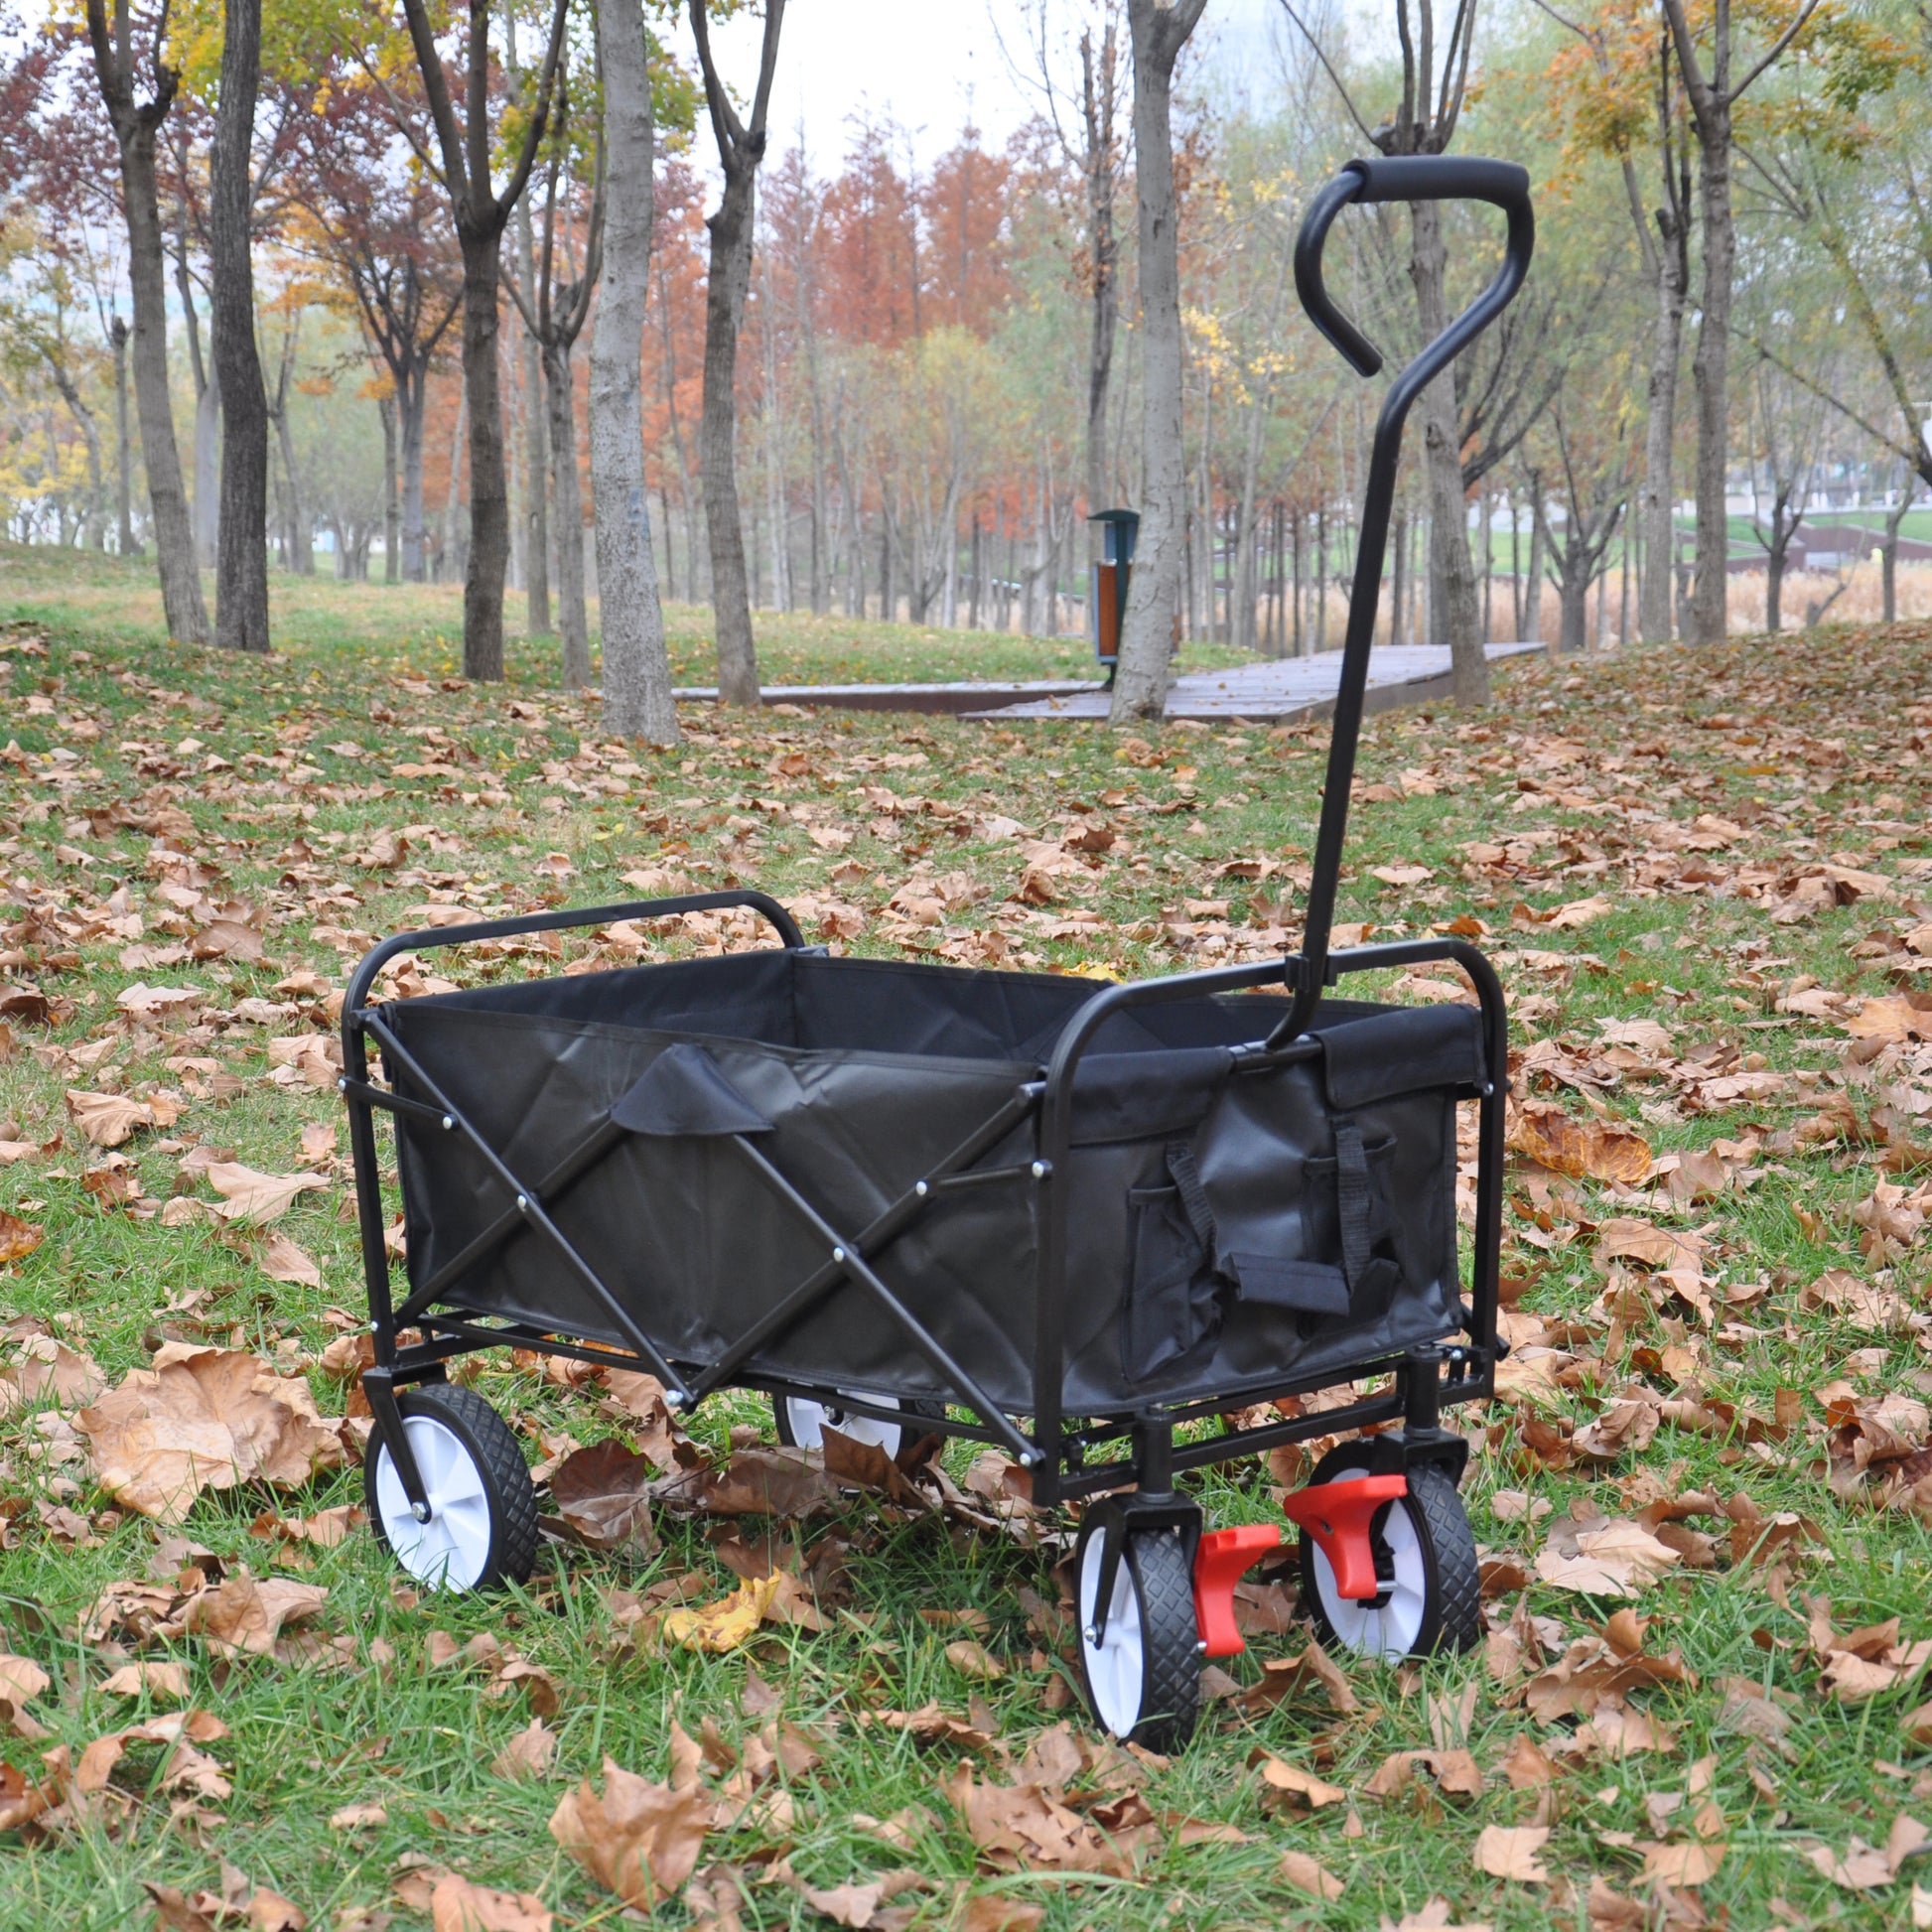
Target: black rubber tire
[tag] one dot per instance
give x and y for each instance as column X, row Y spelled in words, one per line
column 1156, row 1561
column 498, row 1457
column 921, row 1410
column 1452, row 1578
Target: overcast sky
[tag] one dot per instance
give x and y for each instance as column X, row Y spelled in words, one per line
column 928, row 64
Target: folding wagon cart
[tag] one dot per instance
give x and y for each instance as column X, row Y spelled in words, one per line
column 1100, row 1226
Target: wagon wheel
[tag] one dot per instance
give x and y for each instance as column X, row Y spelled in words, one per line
column 1143, row 1678
column 1425, row 1559
column 802, row 1422
column 482, row 1528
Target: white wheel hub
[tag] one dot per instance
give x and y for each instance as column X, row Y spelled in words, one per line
column 450, row 1550
column 1387, row 1625
column 808, row 1422
column 1117, row 1664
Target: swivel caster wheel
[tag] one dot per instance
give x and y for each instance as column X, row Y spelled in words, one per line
column 1425, row 1559
column 1143, row 1675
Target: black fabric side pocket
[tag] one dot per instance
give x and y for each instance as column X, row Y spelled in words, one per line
column 1348, row 1215
column 1174, row 1294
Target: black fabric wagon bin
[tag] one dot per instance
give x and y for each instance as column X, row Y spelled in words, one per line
column 1109, row 1228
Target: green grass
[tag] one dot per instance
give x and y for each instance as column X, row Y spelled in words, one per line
column 421, row 625
column 1814, row 752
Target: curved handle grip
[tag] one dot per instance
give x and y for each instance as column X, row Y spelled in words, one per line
column 1402, row 178
column 1417, row 177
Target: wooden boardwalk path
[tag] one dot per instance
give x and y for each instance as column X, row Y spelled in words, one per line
column 1267, row 691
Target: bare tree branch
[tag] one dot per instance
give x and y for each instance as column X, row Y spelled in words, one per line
column 1348, row 99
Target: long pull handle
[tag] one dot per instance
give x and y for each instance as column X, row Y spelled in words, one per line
column 1402, row 178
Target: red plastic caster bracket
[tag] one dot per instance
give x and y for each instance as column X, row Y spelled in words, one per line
column 1219, row 1561
column 1337, row 1515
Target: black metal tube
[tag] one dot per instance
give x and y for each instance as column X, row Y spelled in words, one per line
column 885, row 1229
column 854, row 1265
column 498, row 1232
column 529, row 1207
column 369, row 1197
column 1412, row 179
column 374, row 960
column 1050, row 1206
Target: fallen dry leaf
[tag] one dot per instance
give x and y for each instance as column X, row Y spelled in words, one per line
column 636, row 1839
column 282, row 1261
column 49, row 1370
column 1304, row 1873
column 1510, row 1852
column 205, row 1419
column 165, row 1679
column 109, row 1119
column 604, row 1493
column 530, row 1754
column 1288, row 1789
column 246, row 1615
column 252, row 1199
column 973, row 1659
column 729, row 1622
column 1584, row 1149
column 18, row 1238
column 456, row 1904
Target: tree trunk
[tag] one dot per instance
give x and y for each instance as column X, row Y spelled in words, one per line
column 1775, row 558
column 1146, row 630
column 392, row 503
column 207, row 469
column 490, row 509
column 636, row 670
column 123, row 444
column 1104, row 249
column 1454, row 608
column 566, row 496
column 1574, row 595
column 1888, row 552
column 1531, row 628
column 1659, row 509
column 412, row 400
column 729, row 280
column 302, row 554
column 183, row 610
column 536, row 453
column 1711, row 374
column 241, row 580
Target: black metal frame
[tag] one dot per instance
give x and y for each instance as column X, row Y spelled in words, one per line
column 1056, row 1452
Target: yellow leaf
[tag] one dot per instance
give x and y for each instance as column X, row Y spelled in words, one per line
column 730, row 1621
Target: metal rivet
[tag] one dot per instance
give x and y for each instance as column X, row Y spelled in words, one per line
column 419, row 1511
column 1200, row 1647
column 342, row 1085
column 1030, row 1459
column 838, row 1254
column 921, row 1189
column 676, row 1398
column 1040, row 1170
column 522, row 1203
column 448, row 1122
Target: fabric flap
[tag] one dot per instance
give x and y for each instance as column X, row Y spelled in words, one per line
column 683, row 1092
column 1401, row 1051
column 1135, row 1096
column 1312, row 1285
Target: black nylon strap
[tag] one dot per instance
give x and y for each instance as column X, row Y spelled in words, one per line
column 1193, row 1196
column 1352, row 1198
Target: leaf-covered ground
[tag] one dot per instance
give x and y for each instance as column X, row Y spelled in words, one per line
column 1703, row 1497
